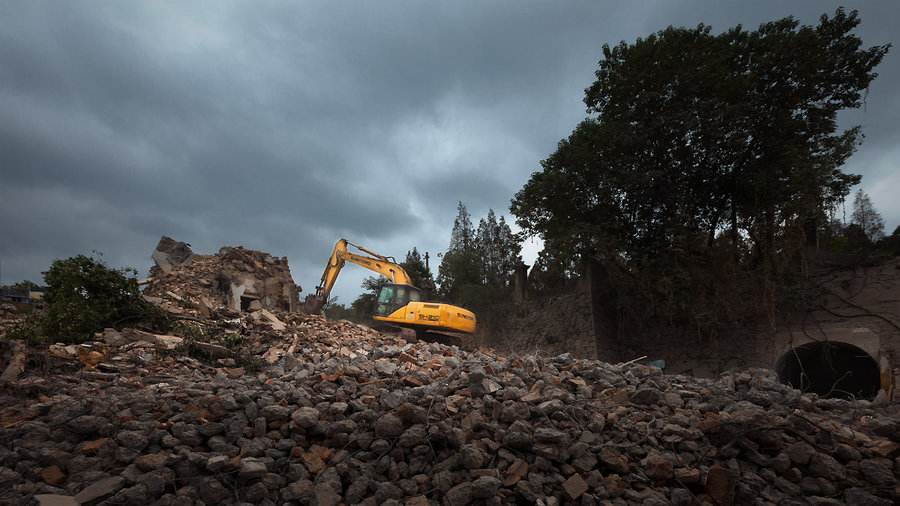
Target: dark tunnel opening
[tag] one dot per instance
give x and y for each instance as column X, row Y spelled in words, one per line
column 830, row 369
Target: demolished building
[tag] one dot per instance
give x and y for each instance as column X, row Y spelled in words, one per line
column 235, row 278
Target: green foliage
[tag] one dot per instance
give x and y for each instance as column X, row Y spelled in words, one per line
column 232, row 341
column 498, row 250
column 459, row 270
column 421, row 275
column 704, row 149
column 463, row 235
column 84, row 296
column 476, row 271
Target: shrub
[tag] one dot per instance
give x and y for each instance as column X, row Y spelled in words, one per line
column 83, row 297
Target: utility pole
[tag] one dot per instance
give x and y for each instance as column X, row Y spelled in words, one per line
column 427, row 268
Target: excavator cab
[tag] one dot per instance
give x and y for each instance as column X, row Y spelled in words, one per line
column 394, row 296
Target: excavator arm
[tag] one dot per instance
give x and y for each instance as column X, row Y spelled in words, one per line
column 339, row 256
column 399, row 302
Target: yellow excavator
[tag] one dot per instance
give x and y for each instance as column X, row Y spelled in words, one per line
column 399, row 302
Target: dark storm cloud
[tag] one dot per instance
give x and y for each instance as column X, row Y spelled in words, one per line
column 284, row 126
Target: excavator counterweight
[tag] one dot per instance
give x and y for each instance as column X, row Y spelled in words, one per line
column 399, row 302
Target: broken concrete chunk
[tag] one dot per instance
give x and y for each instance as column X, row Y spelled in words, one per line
column 169, row 253
column 100, row 490
column 575, row 486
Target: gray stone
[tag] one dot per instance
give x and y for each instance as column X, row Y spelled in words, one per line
column 614, row 460
column 550, row 436
column 216, row 463
column 100, row 490
column 459, row 495
column 471, row 457
column 357, row 490
column 823, row 501
column 301, row 490
column 156, row 481
column 251, row 469
column 275, row 412
column 386, row 491
column 326, row 495
column 55, row 500
column 211, row 429
column 485, row 487
column 87, row 424
column 517, row 440
column 878, row 472
column 681, row 497
column 256, row 493
column 135, row 495
column 863, row 497
column 826, row 466
column 780, row 463
column 646, row 396
column 305, row 417
column 389, row 425
column 800, row 453
column 211, row 490
column 152, row 461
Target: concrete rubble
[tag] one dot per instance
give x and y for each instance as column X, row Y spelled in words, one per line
column 10, row 317
column 234, row 279
column 337, row 413
column 258, row 405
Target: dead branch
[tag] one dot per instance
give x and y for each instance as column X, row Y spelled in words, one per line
column 868, row 314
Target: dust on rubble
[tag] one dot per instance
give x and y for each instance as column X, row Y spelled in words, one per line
column 334, row 412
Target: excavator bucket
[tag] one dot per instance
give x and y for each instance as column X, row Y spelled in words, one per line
column 312, row 305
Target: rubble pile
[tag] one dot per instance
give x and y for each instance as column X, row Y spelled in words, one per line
column 234, row 279
column 10, row 317
column 341, row 414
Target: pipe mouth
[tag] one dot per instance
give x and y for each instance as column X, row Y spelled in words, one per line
column 830, row 369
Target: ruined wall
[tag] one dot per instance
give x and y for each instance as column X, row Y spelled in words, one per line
column 235, row 278
column 861, row 307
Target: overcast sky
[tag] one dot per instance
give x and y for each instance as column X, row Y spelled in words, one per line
column 284, row 126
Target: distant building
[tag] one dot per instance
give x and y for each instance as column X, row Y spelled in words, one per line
column 15, row 296
column 32, row 296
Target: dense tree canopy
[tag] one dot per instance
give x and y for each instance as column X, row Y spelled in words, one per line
column 694, row 134
column 697, row 142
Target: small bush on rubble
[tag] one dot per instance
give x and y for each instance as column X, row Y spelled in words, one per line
column 83, row 297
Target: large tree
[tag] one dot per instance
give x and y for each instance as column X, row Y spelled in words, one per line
column 421, row 275
column 498, row 249
column 697, row 140
column 867, row 217
column 460, row 264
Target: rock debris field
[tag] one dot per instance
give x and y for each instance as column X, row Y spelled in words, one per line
column 344, row 414
column 262, row 406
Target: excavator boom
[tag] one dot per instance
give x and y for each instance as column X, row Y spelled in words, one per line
column 399, row 302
